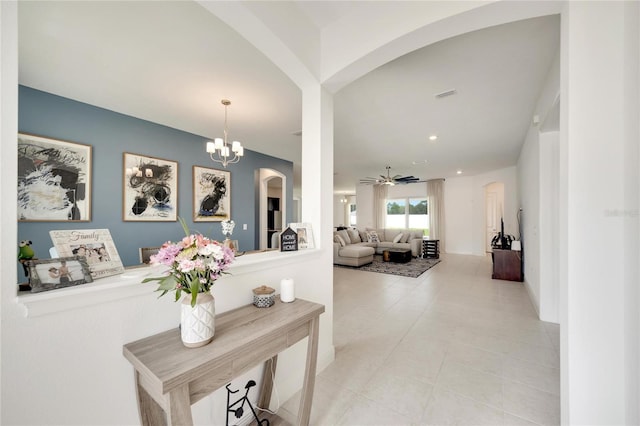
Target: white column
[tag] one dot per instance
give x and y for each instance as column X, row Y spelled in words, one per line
column 594, row 347
column 8, row 165
column 317, row 162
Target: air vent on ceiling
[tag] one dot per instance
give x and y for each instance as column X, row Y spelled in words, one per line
column 446, row 93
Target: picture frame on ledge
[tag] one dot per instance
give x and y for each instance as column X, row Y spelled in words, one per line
column 54, row 180
column 211, row 194
column 305, row 235
column 95, row 245
column 150, row 189
column 51, row 274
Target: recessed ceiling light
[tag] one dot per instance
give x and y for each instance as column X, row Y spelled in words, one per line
column 446, row 93
column 459, row 172
column 433, row 137
column 418, row 162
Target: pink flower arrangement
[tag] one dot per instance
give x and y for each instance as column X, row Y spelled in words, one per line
column 195, row 263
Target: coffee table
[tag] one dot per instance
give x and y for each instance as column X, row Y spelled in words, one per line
column 397, row 255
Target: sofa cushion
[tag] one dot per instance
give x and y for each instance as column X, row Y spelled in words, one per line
column 372, row 237
column 338, row 239
column 344, row 234
column 354, row 236
column 406, row 237
column 355, row 250
column 399, row 237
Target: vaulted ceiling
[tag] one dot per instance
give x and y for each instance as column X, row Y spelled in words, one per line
column 172, row 63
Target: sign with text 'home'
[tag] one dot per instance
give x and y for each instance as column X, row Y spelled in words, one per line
column 289, row 240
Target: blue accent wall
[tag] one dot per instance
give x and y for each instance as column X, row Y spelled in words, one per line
column 111, row 134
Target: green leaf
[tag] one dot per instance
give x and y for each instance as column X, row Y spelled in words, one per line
column 178, row 292
column 146, row 280
column 194, row 296
column 184, row 226
column 167, row 283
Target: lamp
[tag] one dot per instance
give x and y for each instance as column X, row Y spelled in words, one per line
column 219, row 149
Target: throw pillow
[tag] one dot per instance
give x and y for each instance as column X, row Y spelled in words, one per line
column 338, row 239
column 406, row 237
column 398, row 238
column 354, row 236
column 372, row 237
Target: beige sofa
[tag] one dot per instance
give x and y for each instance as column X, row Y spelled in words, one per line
column 356, row 248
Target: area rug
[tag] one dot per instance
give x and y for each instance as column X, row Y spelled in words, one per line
column 412, row 269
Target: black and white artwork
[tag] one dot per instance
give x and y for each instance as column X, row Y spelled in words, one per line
column 54, row 180
column 150, row 189
column 211, row 195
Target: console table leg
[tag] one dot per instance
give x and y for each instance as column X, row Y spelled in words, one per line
column 151, row 413
column 179, row 407
column 304, row 411
column 267, row 382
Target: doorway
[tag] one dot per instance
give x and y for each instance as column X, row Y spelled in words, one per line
column 494, row 211
column 272, row 215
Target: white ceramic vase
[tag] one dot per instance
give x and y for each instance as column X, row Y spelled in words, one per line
column 197, row 324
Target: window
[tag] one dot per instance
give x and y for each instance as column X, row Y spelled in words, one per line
column 352, row 214
column 407, row 213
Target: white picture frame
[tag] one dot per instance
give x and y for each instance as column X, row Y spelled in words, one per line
column 96, row 245
column 305, row 235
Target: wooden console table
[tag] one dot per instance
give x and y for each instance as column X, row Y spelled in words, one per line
column 507, row 265
column 170, row 377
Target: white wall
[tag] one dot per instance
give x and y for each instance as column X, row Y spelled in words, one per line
column 458, row 204
column 632, row 206
column 548, row 247
column 364, row 213
column 599, row 372
column 465, row 209
column 538, row 192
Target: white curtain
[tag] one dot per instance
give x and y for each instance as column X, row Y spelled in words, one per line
column 435, row 204
column 379, row 205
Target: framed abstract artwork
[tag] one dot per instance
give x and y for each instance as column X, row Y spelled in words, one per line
column 211, row 195
column 54, row 180
column 150, row 190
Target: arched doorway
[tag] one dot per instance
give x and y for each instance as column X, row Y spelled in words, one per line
column 494, row 211
column 272, row 210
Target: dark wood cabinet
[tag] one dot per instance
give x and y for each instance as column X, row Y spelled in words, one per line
column 507, row 265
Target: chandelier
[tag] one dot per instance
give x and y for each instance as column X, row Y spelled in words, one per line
column 219, row 150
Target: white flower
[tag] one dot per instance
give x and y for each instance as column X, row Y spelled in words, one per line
column 207, row 250
column 227, row 227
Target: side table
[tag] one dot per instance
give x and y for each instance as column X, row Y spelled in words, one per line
column 430, row 249
column 170, row 377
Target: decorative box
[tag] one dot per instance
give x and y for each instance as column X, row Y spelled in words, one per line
column 264, row 297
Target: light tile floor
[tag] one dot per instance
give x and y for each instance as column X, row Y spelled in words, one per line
column 451, row 347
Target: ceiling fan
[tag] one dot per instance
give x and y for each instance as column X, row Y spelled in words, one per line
column 389, row 180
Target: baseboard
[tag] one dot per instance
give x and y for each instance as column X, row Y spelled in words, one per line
column 532, row 298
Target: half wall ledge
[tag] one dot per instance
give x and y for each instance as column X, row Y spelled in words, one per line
column 128, row 284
